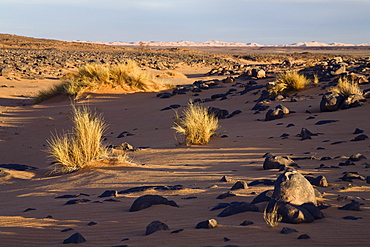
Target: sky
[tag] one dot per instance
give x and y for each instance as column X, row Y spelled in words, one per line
column 268, row 22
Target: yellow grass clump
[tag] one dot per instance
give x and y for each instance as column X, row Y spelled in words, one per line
column 346, row 87
column 289, row 81
column 74, row 150
column 196, row 124
column 127, row 76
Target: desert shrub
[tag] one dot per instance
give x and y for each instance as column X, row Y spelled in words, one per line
column 196, row 124
column 289, row 81
column 128, row 76
column 74, row 150
column 271, row 216
column 345, row 87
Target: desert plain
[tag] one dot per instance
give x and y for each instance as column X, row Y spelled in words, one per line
column 32, row 215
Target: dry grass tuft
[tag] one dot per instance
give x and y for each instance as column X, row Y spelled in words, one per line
column 74, row 150
column 346, row 87
column 271, row 216
column 197, row 125
column 128, row 76
column 289, row 81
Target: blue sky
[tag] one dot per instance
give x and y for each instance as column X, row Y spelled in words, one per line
column 260, row 21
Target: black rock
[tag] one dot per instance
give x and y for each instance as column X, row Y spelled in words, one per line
column 361, row 137
column 236, row 112
column 353, row 206
column 177, row 231
column 111, row 200
column 287, row 230
column 320, row 181
column 305, row 134
column 224, row 179
column 246, row 223
column 239, row 185
column 331, row 102
column 325, row 122
column 237, row 208
column 108, row 193
column 67, row 230
column 76, row 201
column 290, row 125
column 351, row 218
column 262, row 181
column 277, row 162
column 304, row 236
column 155, row 226
column 144, row 188
column 207, row 224
column 67, row 196
column 357, row 157
column 18, row 167
column 349, row 176
column 263, row 197
column 75, row 239
column 29, row 209
column 218, row 113
column 220, row 205
column 226, row 239
column 225, row 195
column 164, row 95
column 92, row 223
column 358, row 131
column 149, row 200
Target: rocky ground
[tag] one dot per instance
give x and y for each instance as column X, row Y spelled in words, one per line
column 170, row 195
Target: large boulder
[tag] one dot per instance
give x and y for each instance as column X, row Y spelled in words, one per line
column 331, row 102
column 149, row 200
column 292, row 187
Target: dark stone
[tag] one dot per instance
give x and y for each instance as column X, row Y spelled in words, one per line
column 67, row 196
column 237, row 208
column 207, row 224
column 29, row 209
column 92, row 223
column 358, row 131
column 236, row 112
column 164, row 95
column 3, row 173
column 175, row 106
column 292, row 187
column 338, row 142
column 349, row 176
column 246, row 223
column 262, row 181
column 368, row 179
column 226, row 239
column 351, row 218
column 353, row 206
column 218, row 113
column 361, row 137
column 239, row 185
column 124, row 133
column 347, row 163
column 75, row 239
column 274, row 114
column 263, row 197
column 313, row 210
column 111, row 200
column 144, row 188
column 290, row 125
column 306, row 134
column 225, row 195
column 277, row 162
column 320, row 181
column 18, row 167
column 322, row 122
column 67, row 230
column 108, row 193
column 304, row 236
column 260, row 106
column 149, row 200
column 357, row 157
column 177, row 231
column 76, row 201
column 331, row 102
column 220, row 205
column 287, row 230
column 155, row 226
column 353, row 100
column 224, row 179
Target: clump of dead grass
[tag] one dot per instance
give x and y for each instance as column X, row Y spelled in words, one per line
column 127, row 76
column 289, row 81
column 345, row 87
column 74, row 150
column 197, row 124
column 271, row 216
